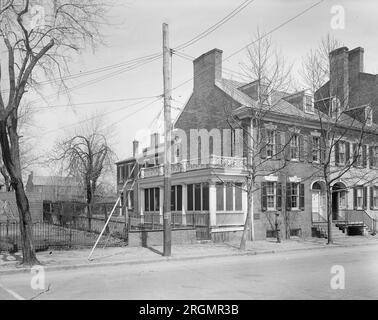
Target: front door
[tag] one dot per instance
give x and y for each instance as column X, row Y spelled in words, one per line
column 335, row 205
column 315, row 206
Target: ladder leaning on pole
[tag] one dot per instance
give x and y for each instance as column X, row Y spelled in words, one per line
column 114, row 208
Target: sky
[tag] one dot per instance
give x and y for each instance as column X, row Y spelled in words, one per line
column 135, row 30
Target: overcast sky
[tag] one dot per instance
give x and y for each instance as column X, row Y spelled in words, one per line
column 136, row 31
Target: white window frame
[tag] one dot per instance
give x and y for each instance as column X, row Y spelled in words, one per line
column 369, row 116
column 342, row 145
column 294, row 145
column 274, row 195
column 316, row 148
column 270, row 143
column 311, row 106
column 293, row 195
column 335, row 107
column 360, row 207
column 375, row 197
column 343, row 199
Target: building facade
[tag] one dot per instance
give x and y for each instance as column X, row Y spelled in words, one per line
column 212, row 158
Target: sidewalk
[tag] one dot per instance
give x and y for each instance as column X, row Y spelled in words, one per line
column 60, row 260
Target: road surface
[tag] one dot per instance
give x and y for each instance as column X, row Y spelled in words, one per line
column 291, row 275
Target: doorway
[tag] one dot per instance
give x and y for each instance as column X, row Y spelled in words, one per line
column 318, row 202
column 338, row 200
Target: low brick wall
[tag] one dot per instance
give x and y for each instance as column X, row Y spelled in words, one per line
column 149, row 238
column 8, row 206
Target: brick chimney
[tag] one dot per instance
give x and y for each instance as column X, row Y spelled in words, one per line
column 207, row 69
column 135, row 148
column 356, row 62
column 339, row 74
column 155, row 139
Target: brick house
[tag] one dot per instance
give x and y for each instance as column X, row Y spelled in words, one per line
column 212, row 193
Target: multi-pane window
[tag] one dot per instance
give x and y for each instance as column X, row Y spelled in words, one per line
column 369, row 116
column 294, row 147
column 271, row 195
column 315, row 149
column 360, row 198
column 375, row 197
column 270, row 143
column 373, row 154
column 151, row 199
column 342, row 152
column 295, row 195
column 342, row 199
column 335, row 107
column 309, row 104
column 229, row 197
column 198, row 197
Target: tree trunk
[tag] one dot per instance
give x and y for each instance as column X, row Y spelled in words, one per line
column 329, row 215
column 248, row 220
column 11, row 160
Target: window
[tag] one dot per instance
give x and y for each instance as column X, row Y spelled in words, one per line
column 374, row 197
column 309, row 104
column 373, row 155
column 315, row 149
column 294, row 147
column 342, row 152
column 198, row 197
column 151, row 199
column 360, row 156
column 342, row 200
column 360, row 198
column 229, row 197
column 270, row 137
column 176, row 198
column 238, row 197
column 295, row 195
column 369, row 116
column 271, row 195
column 335, row 107
column 220, row 196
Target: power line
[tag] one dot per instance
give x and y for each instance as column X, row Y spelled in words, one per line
column 214, row 27
column 251, row 43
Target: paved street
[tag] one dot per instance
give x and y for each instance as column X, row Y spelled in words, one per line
column 290, row 275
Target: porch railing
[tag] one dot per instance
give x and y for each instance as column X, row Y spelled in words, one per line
column 196, row 164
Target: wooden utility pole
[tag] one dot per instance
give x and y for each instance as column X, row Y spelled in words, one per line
column 167, row 143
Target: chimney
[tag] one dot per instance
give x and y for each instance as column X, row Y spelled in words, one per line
column 339, row 74
column 356, row 63
column 155, row 139
column 135, row 148
column 207, row 69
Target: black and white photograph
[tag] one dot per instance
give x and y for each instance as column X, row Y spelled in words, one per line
column 188, row 155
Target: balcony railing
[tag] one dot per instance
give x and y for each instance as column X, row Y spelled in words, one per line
column 196, row 164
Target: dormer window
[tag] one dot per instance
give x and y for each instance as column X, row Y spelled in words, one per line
column 368, row 116
column 335, row 107
column 309, row 103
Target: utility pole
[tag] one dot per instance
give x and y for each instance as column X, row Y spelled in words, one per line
column 167, row 233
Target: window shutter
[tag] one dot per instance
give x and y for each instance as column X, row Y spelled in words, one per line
column 279, row 196
column 365, row 198
column 364, row 156
column 337, row 156
column 119, row 173
column 288, row 196
column 301, row 147
column 263, row 196
column 371, row 157
column 309, row 149
column 301, row 197
column 355, row 198
column 347, row 152
column 263, row 140
column 372, row 198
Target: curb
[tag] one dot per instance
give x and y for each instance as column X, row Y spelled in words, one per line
column 173, row 259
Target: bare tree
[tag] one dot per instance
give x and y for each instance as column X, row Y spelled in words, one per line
column 86, row 155
column 270, row 73
column 37, row 46
column 338, row 123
